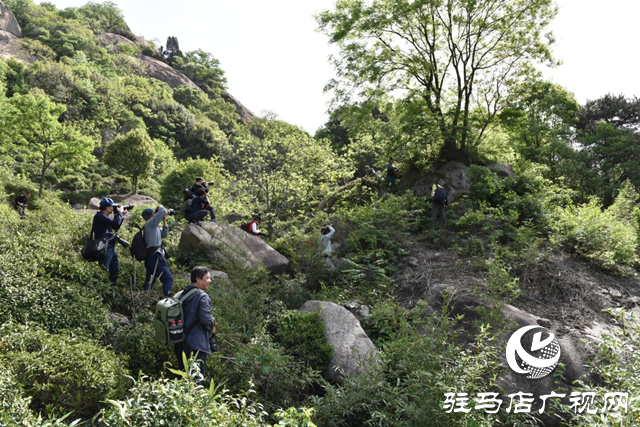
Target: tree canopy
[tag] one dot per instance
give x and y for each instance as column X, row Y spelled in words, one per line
column 457, row 55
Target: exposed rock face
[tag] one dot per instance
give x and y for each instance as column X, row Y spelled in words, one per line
column 353, row 351
column 161, row 71
column 245, row 114
column 501, row 169
column 452, row 176
column 8, row 22
column 225, row 243
column 111, row 39
column 9, row 45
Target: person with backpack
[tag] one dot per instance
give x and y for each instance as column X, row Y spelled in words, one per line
column 198, row 322
column 438, row 201
column 391, row 172
column 200, row 206
column 21, row 203
column 104, row 225
column 156, row 263
column 252, row 226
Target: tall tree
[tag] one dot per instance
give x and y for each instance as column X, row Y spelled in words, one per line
column 33, row 122
column 133, row 154
column 458, row 55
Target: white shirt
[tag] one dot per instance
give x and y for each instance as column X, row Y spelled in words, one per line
column 325, row 242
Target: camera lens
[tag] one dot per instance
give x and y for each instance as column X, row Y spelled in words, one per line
column 122, row 241
column 171, row 211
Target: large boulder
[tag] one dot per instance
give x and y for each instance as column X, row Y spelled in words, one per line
column 8, row 21
column 225, row 243
column 245, row 114
column 353, row 351
column 123, row 199
column 501, row 169
column 452, row 176
column 164, row 72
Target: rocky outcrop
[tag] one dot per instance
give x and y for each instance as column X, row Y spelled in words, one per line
column 9, row 45
column 501, row 169
column 245, row 114
column 452, row 176
column 353, row 351
column 8, row 22
column 161, row 71
column 224, row 243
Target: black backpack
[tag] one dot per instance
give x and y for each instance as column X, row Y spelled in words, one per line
column 245, row 226
column 138, row 247
column 440, row 195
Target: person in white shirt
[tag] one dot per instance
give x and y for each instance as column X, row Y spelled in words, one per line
column 325, row 245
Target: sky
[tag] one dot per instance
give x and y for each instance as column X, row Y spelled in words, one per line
column 276, row 61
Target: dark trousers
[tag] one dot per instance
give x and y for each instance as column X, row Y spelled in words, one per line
column 197, row 216
column 437, row 212
column 111, row 263
column 201, row 358
column 157, row 263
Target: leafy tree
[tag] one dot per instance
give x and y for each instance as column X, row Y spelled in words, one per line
column 172, row 50
column 457, row 55
column 539, row 118
column 203, row 68
column 610, row 145
column 33, row 123
column 132, row 153
column 283, row 170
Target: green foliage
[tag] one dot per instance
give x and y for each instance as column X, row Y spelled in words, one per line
column 62, row 372
column 32, row 121
column 184, row 175
column 303, row 336
column 181, row 402
column 596, row 235
column 387, row 320
column 132, row 153
column 415, row 46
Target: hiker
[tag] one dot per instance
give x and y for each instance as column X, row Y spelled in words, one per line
column 103, row 224
column 391, row 172
column 200, row 184
column 438, row 201
column 199, row 324
column 369, row 172
column 21, row 203
column 324, row 242
column 200, row 206
column 156, row 264
column 253, row 226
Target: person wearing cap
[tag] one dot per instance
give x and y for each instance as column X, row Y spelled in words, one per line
column 156, row 263
column 200, row 206
column 21, row 203
column 104, row 225
column 391, row 172
column 253, row 226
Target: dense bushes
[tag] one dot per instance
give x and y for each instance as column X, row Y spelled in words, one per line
column 302, row 336
column 62, row 372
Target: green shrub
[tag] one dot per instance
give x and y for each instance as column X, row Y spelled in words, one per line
column 386, row 321
column 14, row 404
column 595, row 234
column 303, row 336
column 63, row 373
column 181, row 402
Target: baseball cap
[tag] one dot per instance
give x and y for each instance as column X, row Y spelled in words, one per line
column 147, row 213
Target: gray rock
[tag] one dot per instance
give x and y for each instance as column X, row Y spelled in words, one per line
column 501, row 169
column 358, row 309
column 245, row 114
column 120, row 319
column 452, row 176
column 412, row 262
column 164, row 72
column 94, row 204
column 123, row 199
column 226, row 243
column 353, row 351
column 77, row 206
column 8, row 21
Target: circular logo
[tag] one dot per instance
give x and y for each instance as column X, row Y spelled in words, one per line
column 538, row 355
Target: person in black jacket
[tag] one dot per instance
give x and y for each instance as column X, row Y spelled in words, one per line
column 103, row 224
column 198, row 322
column 21, row 203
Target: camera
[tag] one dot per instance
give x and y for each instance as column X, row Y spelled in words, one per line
column 127, row 207
column 212, row 344
column 209, row 182
column 121, row 241
column 171, row 211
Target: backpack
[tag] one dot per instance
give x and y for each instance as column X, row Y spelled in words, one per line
column 440, row 195
column 169, row 319
column 186, row 206
column 138, row 247
column 246, row 226
column 188, row 193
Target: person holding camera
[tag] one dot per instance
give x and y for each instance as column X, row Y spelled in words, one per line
column 21, row 203
column 200, row 206
column 104, row 225
column 199, row 324
column 156, row 263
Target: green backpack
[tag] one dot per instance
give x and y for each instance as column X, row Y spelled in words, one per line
column 169, row 319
